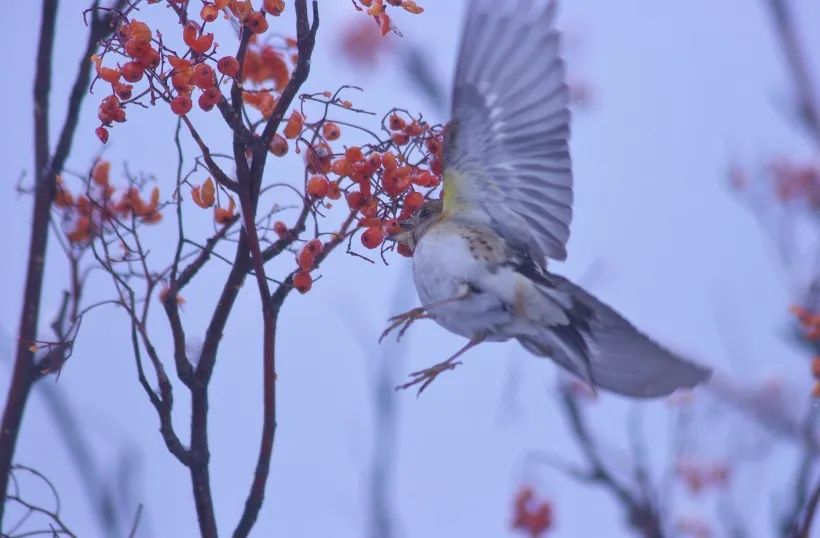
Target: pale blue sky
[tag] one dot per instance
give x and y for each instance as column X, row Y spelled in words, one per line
column 680, row 89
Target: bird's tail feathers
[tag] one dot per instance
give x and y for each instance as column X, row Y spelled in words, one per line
column 606, row 351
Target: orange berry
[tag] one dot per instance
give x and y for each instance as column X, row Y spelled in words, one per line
column 228, row 66
column 404, row 250
column 256, row 22
column 278, row 145
column 400, row 139
column 181, row 104
column 340, row 167
column 414, row 129
column 318, row 187
column 314, row 246
column 202, row 75
column 396, row 123
column 294, row 126
column 306, row 260
column 372, row 237
column 353, row 154
column 331, row 131
column 412, row 7
column 132, row 72
column 209, row 98
column 102, row 134
column 274, row 7
column 281, row 229
column 334, row 192
column 413, row 201
column 123, row 91
column 302, row 281
column 356, row 200
column 318, row 158
column 222, row 215
column 389, row 161
column 209, row 13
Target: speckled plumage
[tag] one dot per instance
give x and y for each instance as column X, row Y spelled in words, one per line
column 479, row 260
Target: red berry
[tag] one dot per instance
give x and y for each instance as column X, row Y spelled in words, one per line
column 228, row 66
column 123, row 91
column 396, row 123
column 400, row 139
column 102, row 134
column 203, row 76
column 302, row 281
column 278, row 145
column 132, row 72
column 413, row 201
column 404, row 250
column 209, row 98
column 331, row 131
column 356, row 200
column 318, row 187
column 314, row 246
column 372, row 237
column 334, row 192
column 281, row 229
column 306, row 259
column 181, row 104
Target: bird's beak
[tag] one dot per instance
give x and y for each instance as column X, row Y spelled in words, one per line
column 404, row 233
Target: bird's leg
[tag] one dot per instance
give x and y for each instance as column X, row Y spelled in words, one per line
column 422, row 312
column 426, row 376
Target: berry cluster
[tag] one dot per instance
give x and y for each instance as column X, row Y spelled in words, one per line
column 531, row 515
column 91, row 213
column 378, row 10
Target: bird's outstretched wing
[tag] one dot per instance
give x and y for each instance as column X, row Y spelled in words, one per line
column 506, row 148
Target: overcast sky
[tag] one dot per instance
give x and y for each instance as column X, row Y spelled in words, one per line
column 679, row 90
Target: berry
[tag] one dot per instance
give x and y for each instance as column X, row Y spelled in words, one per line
column 209, row 98
column 256, row 22
column 404, row 250
column 102, row 134
column 294, row 125
column 302, row 281
column 181, row 104
column 400, row 139
column 396, row 123
column 318, row 187
column 331, row 131
column 278, row 145
column 132, row 72
column 413, row 201
column 372, row 237
column 306, row 259
column 314, row 246
column 228, row 66
column 281, row 229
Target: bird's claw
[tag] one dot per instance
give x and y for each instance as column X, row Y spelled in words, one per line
column 426, row 376
column 404, row 321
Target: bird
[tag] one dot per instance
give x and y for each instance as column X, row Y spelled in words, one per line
column 479, row 254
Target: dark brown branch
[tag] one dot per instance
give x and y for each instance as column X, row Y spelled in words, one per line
column 25, row 371
column 642, row 514
column 804, row 530
column 250, row 186
column 796, row 58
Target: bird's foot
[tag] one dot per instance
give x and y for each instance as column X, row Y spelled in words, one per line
column 426, row 376
column 404, row 321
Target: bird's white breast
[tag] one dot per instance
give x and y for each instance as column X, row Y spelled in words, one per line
column 443, row 268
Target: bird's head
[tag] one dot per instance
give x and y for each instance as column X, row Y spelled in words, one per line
column 414, row 228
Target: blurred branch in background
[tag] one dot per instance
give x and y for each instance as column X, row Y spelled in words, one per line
column 48, row 164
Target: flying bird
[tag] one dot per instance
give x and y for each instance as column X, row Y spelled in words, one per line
column 480, row 253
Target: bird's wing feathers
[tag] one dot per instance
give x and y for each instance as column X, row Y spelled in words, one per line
column 618, row 356
column 506, row 147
